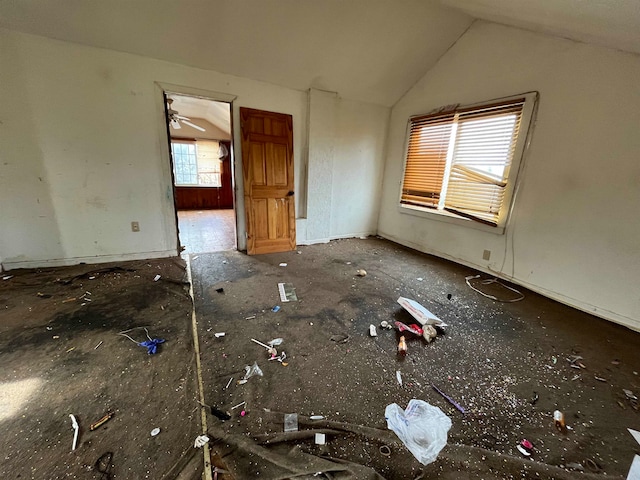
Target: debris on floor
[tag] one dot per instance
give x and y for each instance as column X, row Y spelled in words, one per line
column 250, row 371
column 94, row 426
column 458, row 407
column 525, row 447
column 420, row 313
column 151, row 344
column 287, row 292
column 291, row 422
column 76, row 431
column 422, row 428
column 488, row 367
column 402, row 345
column 200, row 441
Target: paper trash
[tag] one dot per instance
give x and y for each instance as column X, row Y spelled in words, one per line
column 421, row 314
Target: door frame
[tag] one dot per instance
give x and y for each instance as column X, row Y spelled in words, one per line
column 170, row 210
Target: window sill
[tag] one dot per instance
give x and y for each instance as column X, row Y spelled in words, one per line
column 448, row 217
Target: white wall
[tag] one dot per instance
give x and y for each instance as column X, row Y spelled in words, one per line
column 84, row 149
column 358, row 168
column 573, row 234
column 346, row 159
column 84, row 152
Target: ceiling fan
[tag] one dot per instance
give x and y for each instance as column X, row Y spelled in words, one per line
column 175, row 118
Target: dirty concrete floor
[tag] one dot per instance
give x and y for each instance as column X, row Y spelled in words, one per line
column 60, row 355
column 494, row 359
column 505, row 363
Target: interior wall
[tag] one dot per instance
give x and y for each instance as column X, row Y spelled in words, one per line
column 358, row 168
column 85, row 150
column 85, row 153
column 346, row 158
column 573, row 231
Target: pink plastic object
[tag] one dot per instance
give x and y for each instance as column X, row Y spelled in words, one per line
column 243, row 413
column 413, row 328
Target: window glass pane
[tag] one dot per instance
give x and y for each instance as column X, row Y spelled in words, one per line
column 184, row 163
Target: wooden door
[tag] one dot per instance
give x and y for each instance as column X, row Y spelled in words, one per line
column 267, row 168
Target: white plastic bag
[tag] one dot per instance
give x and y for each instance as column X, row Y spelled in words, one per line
column 250, row 371
column 422, row 428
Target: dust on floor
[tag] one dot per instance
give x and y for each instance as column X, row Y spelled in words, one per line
column 61, row 354
column 509, row 364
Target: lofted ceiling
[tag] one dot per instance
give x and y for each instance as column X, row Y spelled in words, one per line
column 217, row 113
column 368, row 50
column 609, row 23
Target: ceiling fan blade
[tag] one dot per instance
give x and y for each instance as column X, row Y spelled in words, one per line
column 175, row 124
column 187, row 122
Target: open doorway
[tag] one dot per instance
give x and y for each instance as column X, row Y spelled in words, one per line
column 200, row 142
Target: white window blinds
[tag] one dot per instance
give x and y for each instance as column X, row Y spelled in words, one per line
column 426, row 160
column 461, row 162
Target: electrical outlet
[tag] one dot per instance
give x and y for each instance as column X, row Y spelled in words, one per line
column 135, row 227
column 486, row 255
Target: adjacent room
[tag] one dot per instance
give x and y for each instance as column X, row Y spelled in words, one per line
column 202, row 173
column 369, row 239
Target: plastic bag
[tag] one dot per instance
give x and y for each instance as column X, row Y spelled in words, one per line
column 250, row 371
column 422, row 428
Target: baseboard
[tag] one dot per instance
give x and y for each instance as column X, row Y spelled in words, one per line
column 313, row 242
column 65, row 262
column 336, row 237
column 614, row 317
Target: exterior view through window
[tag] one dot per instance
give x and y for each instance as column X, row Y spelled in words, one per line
column 464, row 161
column 196, row 163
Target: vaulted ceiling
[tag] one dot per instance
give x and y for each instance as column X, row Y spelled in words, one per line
column 609, row 23
column 369, row 50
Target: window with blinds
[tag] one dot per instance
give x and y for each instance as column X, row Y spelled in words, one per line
column 464, row 161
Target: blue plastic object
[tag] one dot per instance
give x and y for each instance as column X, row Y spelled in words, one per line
column 152, row 345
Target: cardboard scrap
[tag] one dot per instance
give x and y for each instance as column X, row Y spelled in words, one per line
column 421, row 314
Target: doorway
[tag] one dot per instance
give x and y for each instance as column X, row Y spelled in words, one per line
column 200, row 145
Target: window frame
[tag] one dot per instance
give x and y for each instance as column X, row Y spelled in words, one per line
column 194, row 142
column 513, row 179
column 184, row 141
